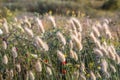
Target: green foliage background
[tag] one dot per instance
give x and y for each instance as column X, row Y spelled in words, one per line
column 60, row 5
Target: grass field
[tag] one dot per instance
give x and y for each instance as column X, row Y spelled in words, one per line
column 59, row 46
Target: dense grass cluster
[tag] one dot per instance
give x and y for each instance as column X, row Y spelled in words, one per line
column 30, row 51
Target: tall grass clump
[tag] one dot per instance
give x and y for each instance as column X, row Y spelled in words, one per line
column 29, row 51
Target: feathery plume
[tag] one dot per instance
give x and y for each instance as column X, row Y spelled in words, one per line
column 18, row 67
column 51, row 18
column 38, row 66
column 98, row 25
column 108, row 34
column 98, row 52
column 111, row 54
column 26, row 20
column 93, row 77
column 77, row 23
column 4, row 45
column 105, row 26
column 20, row 27
column 73, row 55
column 5, row 26
column 11, row 73
column 104, row 65
column 29, row 32
column 5, row 59
column 97, row 43
column 112, row 68
column 72, row 25
column 106, row 21
column 96, row 31
column 48, row 70
column 46, row 47
column 107, row 31
column 107, row 74
column 98, row 75
column 74, row 32
column 31, row 75
column 40, row 25
column 40, row 43
column 14, row 52
column 1, row 32
column 117, row 58
column 61, row 56
column 82, row 76
column 104, row 51
column 76, row 74
column 71, row 44
column 92, row 36
column 80, row 36
column 82, row 68
column 113, row 49
column 61, row 37
column 77, row 42
column 104, row 44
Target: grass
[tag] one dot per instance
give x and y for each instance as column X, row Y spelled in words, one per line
column 32, row 49
column 82, row 43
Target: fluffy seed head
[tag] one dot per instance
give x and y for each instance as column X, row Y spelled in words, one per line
column 1, row 32
column 98, row 25
column 61, row 56
column 82, row 68
column 82, row 76
column 73, row 55
column 14, row 52
column 104, row 51
column 5, row 59
column 4, row 45
column 29, row 32
column 11, row 73
column 96, row 31
column 77, row 42
column 107, row 74
column 80, row 36
column 92, row 36
column 5, row 26
column 112, row 68
column 97, row 43
column 76, row 74
column 39, row 42
column 72, row 25
column 111, row 53
column 108, row 34
column 51, row 18
column 31, row 75
column 48, row 70
column 104, row 44
column 61, row 37
column 71, row 44
column 104, row 65
column 40, row 25
column 98, row 52
column 18, row 67
column 113, row 49
column 117, row 58
column 98, row 75
column 93, row 77
column 38, row 66
column 77, row 23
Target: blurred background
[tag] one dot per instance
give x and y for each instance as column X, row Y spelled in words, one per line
column 93, row 8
